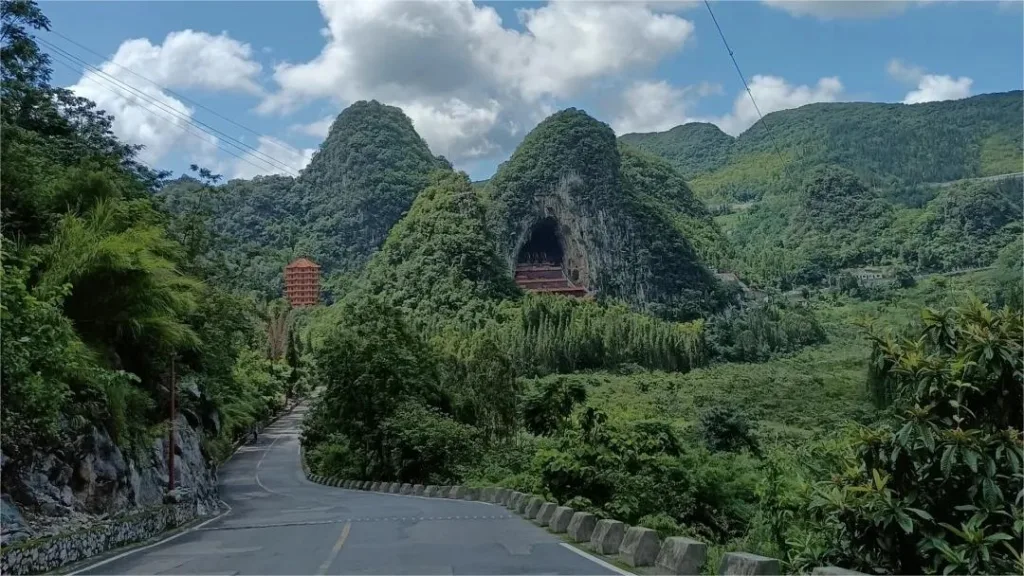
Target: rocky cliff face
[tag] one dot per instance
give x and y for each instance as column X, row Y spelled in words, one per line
column 94, row 476
column 567, row 174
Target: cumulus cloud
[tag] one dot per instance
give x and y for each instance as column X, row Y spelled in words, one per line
column 255, row 163
column 455, row 127
column 649, row 106
column 772, row 94
column 930, row 87
column 934, row 88
column 317, row 128
column 469, row 81
column 831, row 9
column 143, row 112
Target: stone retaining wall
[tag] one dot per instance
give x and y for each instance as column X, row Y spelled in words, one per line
column 636, row 546
column 45, row 554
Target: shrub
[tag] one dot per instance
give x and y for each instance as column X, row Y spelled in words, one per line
column 725, row 429
column 937, row 487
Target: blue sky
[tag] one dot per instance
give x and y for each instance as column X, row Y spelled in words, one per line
column 476, row 77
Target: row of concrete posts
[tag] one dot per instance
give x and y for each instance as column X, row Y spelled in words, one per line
column 635, row 546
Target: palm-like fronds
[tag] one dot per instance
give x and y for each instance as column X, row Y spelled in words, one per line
column 126, row 288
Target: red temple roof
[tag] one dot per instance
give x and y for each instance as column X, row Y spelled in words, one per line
column 302, row 263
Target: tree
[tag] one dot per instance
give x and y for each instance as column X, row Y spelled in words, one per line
column 937, row 487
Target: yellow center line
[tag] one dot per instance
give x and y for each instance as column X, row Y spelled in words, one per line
column 337, row 548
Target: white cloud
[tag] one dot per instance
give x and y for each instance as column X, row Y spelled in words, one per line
column 455, row 127
column 904, row 72
column 190, row 59
column 143, row 112
column 144, row 115
column 649, row 106
column 317, row 128
column 471, row 83
column 829, row 9
column 934, row 88
column 772, row 94
column 256, row 164
column 930, row 87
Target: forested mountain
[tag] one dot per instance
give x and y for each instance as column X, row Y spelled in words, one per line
column 885, row 145
column 625, row 221
column 439, row 262
column 362, row 179
column 851, row 185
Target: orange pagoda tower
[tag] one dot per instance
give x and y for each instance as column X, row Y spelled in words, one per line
column 302, row 283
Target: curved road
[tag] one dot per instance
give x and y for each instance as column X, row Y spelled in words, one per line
column 280, row 523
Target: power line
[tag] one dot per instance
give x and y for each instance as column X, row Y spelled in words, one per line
column 744, row 80
column 282, row 146
column 209, row 130
column 113, row 88
column 202, row 126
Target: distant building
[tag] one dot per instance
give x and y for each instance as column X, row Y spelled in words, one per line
column 302, row 283
column 870, row 274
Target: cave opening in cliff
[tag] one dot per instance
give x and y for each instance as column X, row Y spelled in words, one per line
column 544, row 245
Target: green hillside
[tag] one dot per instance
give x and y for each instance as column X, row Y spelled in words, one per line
column 883, row 144
column 438, row 262
column 854, row 185
column 338, row 211
column 610, row 216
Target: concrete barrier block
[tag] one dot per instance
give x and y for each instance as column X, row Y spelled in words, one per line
column 374, row 486
column 835, row 571
column 395, row 488
column 581, row 526
column 417, row 489
column 502, row 496
column 533, row 507
column 513, row 500
column 471, row 494
column 366, row 485
column 560, row 519
column 487, row 494
column 523, row 503
column 680, row 555
column 457, row 492
column 336, row 482
column 405, row 489
column 640, row 546
column 607, row 536
column 430, row 491
column 544, row 514
column 748, row 564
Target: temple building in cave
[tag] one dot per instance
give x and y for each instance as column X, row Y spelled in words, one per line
column 542, row 266
column 302, row 283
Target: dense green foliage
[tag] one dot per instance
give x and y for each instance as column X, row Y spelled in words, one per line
column 849, row 185
column 834, row 222
column 935, row 486
column 102, row 289
column 883, row 144
column 611, row 215
column 338, row 211
column 692, row 149
column 439, row 263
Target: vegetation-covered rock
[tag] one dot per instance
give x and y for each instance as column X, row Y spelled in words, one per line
column 883, row 144
column 338, row 211
column 614, row 238
column 439, row 262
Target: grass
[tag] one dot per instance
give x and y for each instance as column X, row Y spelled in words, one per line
column 816, row 389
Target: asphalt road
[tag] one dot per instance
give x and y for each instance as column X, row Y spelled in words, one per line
column 280, row 523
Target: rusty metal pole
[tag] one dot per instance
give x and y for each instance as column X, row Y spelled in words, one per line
column 170, row 442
